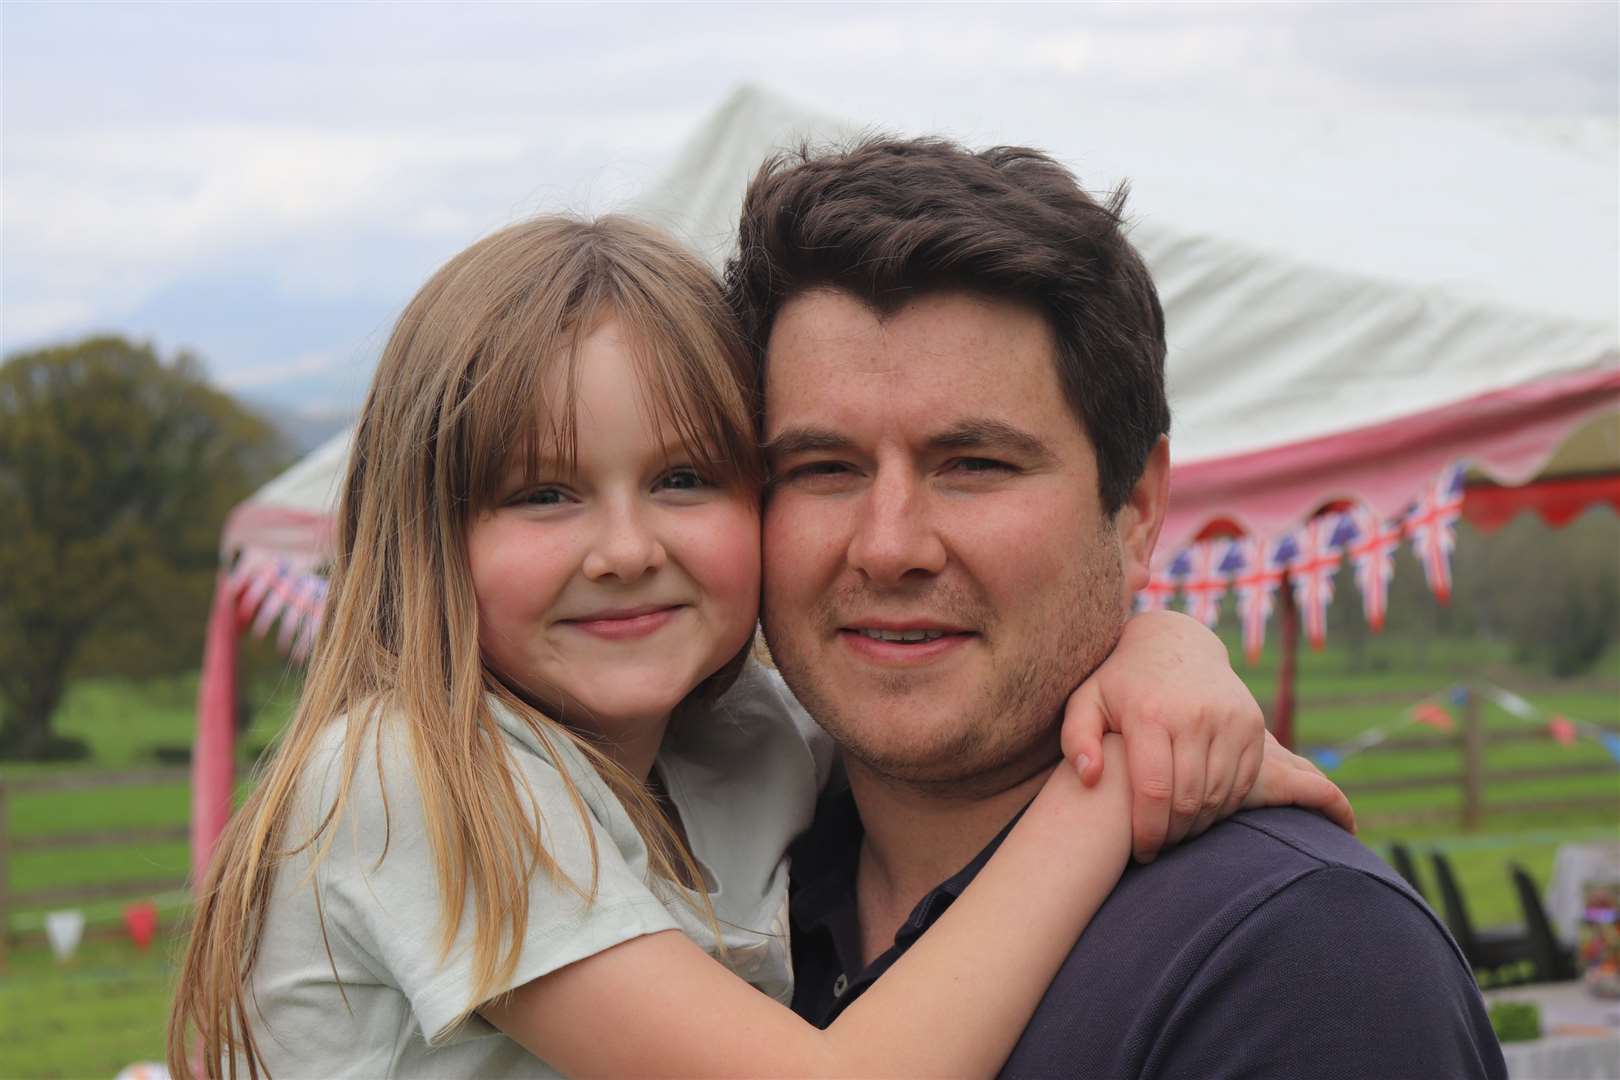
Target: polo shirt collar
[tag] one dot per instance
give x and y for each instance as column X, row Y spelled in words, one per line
column 824, row 862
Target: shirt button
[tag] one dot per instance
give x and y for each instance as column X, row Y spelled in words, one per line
column 840, row 984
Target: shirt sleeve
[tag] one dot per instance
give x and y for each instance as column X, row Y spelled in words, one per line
column 380, row 888
column 1338, row 976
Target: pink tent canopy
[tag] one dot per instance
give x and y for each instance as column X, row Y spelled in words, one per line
column 1342, row 332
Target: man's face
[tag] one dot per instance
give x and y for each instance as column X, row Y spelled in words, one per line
column 939, row 573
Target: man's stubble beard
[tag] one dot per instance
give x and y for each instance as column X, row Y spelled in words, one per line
column 1009, row 731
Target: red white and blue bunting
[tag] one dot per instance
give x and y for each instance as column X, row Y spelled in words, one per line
column 1309, row 559
column 273, row 592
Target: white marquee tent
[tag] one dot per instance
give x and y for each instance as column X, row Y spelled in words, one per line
column 1355, row 303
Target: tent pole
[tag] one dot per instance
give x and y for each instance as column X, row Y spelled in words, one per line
column 213, row 755
column 1282, row 714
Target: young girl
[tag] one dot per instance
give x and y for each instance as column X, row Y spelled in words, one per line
column 514, row 822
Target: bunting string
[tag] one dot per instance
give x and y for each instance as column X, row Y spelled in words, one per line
column 1430, row 712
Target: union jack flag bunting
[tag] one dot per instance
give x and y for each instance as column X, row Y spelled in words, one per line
column 251, row 580
column 1432, row 525
column 311, row 624
column 278, row 592
column 1311, row 571
column 1162, row 584
column 1156, row 594
column 303, row 609
column 1258, row 573
column 1205, row 583
column 1373, row 554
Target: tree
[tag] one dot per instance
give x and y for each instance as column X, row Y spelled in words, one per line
column 116, row 472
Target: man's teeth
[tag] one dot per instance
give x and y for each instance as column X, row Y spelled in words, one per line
column 903, row 635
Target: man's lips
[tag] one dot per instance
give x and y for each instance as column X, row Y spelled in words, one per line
column 622, row 624
column 903, row 642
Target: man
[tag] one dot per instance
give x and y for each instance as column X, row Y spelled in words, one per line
column 964, row 411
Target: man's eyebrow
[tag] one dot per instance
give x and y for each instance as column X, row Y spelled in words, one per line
column 806, row 440
column 987, row 434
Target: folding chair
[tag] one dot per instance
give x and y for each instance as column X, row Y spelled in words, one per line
column 1554, row 963
column 1400, row 857
column 1489, row 950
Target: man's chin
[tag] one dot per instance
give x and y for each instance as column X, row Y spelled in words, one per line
column 959, row 764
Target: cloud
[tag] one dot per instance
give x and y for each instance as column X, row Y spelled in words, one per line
column 333, row 154
column 316, row 362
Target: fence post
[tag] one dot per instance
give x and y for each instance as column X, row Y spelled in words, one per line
column 5, row 875
column 1473, row 739
column 1282, row 715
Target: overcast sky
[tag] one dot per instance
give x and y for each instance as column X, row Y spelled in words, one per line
column 266, row 184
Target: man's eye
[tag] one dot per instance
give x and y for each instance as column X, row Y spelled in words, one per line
column 979, row 465
column 816, row 469
column 684, row 478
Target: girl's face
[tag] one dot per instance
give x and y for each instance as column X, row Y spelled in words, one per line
column 610, row 590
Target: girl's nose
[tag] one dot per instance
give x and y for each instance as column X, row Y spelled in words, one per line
column 626, row 547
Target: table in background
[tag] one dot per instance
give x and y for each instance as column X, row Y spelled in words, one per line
column 1573, row 866
column 1575, row 1045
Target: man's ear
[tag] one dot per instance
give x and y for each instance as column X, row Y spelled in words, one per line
column 1139, row 520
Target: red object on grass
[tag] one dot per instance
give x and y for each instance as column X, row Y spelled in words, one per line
column 141, row 922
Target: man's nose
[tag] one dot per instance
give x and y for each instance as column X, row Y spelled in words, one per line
column 626, row 545
column 894, row 537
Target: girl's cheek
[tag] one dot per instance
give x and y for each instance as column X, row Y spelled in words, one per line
column 731, row 557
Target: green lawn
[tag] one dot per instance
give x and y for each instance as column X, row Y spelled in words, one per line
column 107, row 1009
column 104, row 1011
column 1405, row 673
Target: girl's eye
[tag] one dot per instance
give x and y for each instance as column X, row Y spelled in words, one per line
column 542, row 496
column 684, row 478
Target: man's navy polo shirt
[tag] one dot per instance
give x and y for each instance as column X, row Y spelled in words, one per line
column 1275, row 945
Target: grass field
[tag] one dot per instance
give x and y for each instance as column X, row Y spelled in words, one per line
column 89, row 1019
column 107, row 1009
column 1405, row 673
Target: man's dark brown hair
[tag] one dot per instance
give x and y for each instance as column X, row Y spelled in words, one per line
column 888, row 219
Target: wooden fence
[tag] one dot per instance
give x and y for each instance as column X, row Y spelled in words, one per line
column 1469, row 741
column 82, row 781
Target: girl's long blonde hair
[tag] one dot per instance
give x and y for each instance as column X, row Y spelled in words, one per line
column 456, row 394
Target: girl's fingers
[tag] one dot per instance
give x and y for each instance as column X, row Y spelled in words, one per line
column 1084, row 724
column 1286, row 779
column 1248, row 772
column 1152, row 767
column 1220, row 780
column 1191, row 756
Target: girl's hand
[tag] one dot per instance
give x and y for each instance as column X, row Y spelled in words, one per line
column 1194, row 735
column 1287, row 779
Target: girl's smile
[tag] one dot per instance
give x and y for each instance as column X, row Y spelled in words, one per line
column 626, row 624
column 609, row 587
